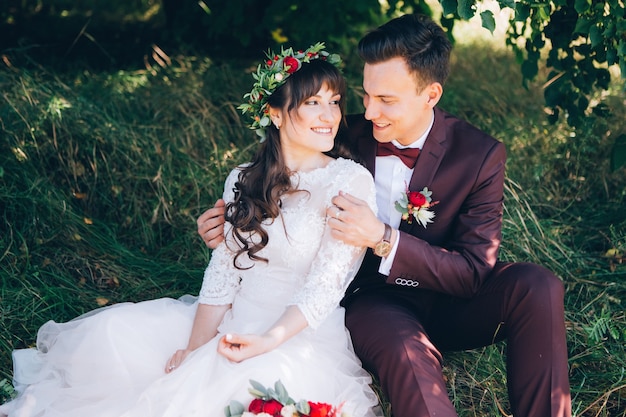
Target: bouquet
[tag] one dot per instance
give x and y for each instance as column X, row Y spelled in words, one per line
column 276, row 402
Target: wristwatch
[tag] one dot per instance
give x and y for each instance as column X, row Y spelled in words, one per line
column 383, row 247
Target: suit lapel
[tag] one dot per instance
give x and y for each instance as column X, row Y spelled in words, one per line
column 367, row 150
column 431, row 155
column 428, row 163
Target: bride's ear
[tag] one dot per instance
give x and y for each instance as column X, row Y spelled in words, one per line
column 276, row 117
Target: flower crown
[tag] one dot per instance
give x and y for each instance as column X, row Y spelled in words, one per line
column 271, row 75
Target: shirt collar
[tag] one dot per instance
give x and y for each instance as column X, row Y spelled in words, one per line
column 419, row 143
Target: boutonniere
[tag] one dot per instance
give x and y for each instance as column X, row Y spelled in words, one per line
column 415, row 205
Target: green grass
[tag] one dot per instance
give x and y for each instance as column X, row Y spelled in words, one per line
column 102, row 176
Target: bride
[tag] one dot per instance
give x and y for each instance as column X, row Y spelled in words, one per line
column 268, row 309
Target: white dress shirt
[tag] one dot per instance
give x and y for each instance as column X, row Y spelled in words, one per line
column 392, row 179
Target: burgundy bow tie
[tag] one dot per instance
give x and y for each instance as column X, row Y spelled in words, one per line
column 407, row 155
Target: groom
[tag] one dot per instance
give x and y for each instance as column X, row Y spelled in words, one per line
column 429, row 285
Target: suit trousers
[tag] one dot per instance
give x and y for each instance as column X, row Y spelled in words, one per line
column 400, row 334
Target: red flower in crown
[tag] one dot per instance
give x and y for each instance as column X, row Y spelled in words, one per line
column 291, row 64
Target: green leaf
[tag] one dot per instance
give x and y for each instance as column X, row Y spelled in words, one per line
column 522, row 12
column 609, row 30
column 449, row 7
column 303, row 407
column 465, row 9
column 281, row 391
column 488, row 20
column 544, row 13
column 582, row 26
column 234, row 409
column 582, row 6
column 506, row 3
column 595, row 35
column 258, row 390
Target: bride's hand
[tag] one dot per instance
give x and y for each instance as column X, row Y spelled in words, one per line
column 238, row 348
column 177, row 358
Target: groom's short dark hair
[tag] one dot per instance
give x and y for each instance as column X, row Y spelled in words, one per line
column 422, row 43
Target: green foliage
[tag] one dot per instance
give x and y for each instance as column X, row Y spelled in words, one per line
column 583, row 40
column 288, row 21
column 583, row 43
column 603, row 327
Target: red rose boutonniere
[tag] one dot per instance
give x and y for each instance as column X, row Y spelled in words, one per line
column 276, row 402
column 414, row 205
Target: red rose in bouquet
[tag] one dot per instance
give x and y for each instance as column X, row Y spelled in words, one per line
column 320, row 410
column 271, row 407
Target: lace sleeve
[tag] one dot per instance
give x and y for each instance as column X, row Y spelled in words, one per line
column 221, row 278
column 336, row 263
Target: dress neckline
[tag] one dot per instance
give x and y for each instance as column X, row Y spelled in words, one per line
column 302, row 174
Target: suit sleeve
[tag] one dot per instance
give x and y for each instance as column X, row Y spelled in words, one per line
column 459, row 263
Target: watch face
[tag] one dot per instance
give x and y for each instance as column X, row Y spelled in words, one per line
column 382, row 249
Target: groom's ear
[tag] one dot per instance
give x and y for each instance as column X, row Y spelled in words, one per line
column 434, row 92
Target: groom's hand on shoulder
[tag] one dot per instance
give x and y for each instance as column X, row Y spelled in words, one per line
column 353, row 222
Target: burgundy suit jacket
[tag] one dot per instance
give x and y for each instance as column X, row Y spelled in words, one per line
column 464, row 168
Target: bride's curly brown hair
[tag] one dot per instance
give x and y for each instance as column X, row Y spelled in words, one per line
column 262, row 183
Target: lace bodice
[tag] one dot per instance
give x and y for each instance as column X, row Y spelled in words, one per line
column 307, row 267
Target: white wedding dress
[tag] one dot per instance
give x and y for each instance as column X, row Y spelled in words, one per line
column 110, row 362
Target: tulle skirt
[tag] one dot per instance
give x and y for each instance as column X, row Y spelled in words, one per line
column 110, row 363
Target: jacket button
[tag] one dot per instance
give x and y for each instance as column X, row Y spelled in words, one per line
column 406, row 282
